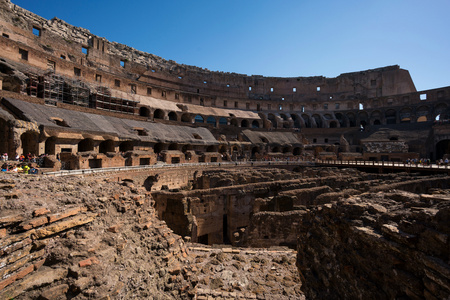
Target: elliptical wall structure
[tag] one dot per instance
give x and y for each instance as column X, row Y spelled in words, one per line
column 93, row 100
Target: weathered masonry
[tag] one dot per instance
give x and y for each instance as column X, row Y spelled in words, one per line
column 97, row 103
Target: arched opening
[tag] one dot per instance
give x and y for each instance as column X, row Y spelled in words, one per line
column 405, row 115
column 422, row 119
column 144, row 112
column 363, row 119
column 211, row 148
column 284, row 117
column 223, row 149
column 391, row 116
column 297, row 121
column 297, row 151
column 307, row 121
column 186, row 148
column 30, row 142
column 173, row 147
column 60, row 122
column 86, row 145
column 341, row 119
column 244, row 123
column 333, row 124
column 173, row 116
column 272, row 119
column 234, row 122
column 148, row 183
column 50, row 146
column 126, row 146
column 158, row 114
column 158, row 148
column 199, row 119
column 374, row 117
column 287, row 150
column 255, row 124
column 276, row 149
column 439, row 109
column 318, row 120
column 223, row 121
column 255, row 150
column 351, row 119
column 422, row 111
column 186, row 118
column 442, row 148
column 106, row 146
column 211, row 121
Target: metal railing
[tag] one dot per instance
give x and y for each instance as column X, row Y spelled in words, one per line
column 181, row 165
column 383, row 164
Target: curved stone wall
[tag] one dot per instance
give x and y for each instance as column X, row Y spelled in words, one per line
column 39, row 54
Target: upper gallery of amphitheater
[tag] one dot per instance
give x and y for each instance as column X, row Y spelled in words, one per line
column 66, row 90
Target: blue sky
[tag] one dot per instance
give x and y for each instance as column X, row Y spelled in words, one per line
column 275, row 38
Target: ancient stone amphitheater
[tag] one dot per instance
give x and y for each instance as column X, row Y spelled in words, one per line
column 166, row 181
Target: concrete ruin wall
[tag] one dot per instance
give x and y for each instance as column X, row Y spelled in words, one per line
column 376, row 246
column 355, row 232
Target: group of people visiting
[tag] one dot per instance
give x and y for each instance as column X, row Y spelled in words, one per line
column 22, row 158
column 23, row 164
column 20, row 168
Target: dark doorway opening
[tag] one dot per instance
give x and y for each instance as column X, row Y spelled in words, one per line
column 226, row 239
column 203, row 239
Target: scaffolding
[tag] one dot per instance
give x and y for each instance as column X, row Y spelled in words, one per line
column 103, row 100
column 55, row 88
column 51, row 88
column 32, row 85
column 76, row 93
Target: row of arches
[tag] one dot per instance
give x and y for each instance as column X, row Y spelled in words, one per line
column 421, row 113
column 30, row 144
column 199, row 119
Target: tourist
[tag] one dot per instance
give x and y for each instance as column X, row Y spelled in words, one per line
column 5, row 167
column 34, row 170
column 26, row 168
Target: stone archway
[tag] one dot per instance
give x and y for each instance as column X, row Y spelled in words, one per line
column 126, row 146
column 173, row 116
column 30, row 142
column 318, row 119
column 144, row 112
column 273, row 120
column 173, row 146
column 158, row 148
column 245, row 123
column 158, row 114
column 106, row 146
column 86, row 145
column 50, row 146
column 186, row 118
column 211, row 121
